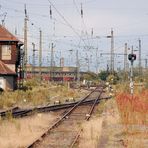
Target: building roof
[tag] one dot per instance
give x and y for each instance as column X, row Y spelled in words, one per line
column 5, row 35
column 55, row 69
column 5, row 70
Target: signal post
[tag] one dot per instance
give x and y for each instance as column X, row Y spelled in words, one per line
column 132, row 58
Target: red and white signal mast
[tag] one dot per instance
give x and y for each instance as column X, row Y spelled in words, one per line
column 131, row 58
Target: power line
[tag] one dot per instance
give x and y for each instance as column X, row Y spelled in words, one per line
column 68, row 24
column 64, row 18
column 81, row 13
column 43, row 5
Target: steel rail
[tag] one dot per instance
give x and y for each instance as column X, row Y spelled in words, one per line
column 2, row 113
column 60, row 120
column 18, row 113
column 94, row 104
column 87, row 118
column 76, row 139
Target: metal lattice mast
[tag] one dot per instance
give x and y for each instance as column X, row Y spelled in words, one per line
column 40, row 55
column 33, row 60
column 131, row 76
column 21, row 70
column 140, row 68
column 51, row 63
column 125, row 58
column 78, row 66
column 25, row 41
column 146, row 61
column 112, row 53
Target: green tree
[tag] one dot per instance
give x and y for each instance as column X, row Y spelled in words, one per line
column 90, row 76
column 103, row 75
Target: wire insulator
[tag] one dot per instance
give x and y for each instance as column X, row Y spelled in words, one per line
column 81, row 11
column 50, row 13
column 92, row 32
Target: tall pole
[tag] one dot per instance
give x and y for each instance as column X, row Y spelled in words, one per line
column 21, row 72
column 140, row 68
column 131, row 76
column 112, row 53
column 25, row 41
column 125, row 61
column 33, row 60
column 146, row 61
column 146, row 70
column 88, row 64
column 96, row 60
column 40, row 55
column 125, row 58
column 51, row 63
column 78, row 66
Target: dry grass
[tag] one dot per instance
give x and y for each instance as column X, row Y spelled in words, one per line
column 19, row 133
column 92, row 130
column 134, row 115
column 38, row 94
column 91, row 133
column 99, row 131
column 133, row 110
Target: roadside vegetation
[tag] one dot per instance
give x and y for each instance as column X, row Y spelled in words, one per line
column 133, row 111
column 37, row 93
column 106, row 76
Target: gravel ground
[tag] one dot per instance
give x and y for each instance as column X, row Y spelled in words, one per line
column 18, row 133
column 106, row 131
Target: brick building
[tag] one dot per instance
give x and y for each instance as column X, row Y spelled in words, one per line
column 9, row 58
column 53, row 73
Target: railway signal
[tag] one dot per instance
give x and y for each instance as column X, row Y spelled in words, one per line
column 132, row 58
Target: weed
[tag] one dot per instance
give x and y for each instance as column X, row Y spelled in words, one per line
column 100, row 107
column 39, row 94
column 133, row 110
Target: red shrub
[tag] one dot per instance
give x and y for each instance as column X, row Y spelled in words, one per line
column 133, row 108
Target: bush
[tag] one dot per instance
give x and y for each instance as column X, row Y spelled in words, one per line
column 103, row 75
column 31, row 83
column 112, row 79
column 90, row 76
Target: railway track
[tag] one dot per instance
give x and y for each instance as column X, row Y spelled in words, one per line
column 64, row 132
column 19, row 113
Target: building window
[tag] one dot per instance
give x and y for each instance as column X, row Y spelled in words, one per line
column 6, row 52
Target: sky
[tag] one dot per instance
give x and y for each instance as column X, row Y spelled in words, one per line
column 70, row 32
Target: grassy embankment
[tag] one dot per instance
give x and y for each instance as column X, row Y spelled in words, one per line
column 38, row 94
column 133, row 113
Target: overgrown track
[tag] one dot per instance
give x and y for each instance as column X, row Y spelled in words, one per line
column 18, row 113
column 64, row 132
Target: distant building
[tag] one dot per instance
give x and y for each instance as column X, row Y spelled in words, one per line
column 53, row 73
column 9, row 59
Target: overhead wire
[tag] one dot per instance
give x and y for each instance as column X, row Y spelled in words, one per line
column 83, row 26
column 44, row 15
column 81, row 13
column 35, row 14
column 68, row 24
column 64, row 18
column 83, row 22
column 83, row 39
